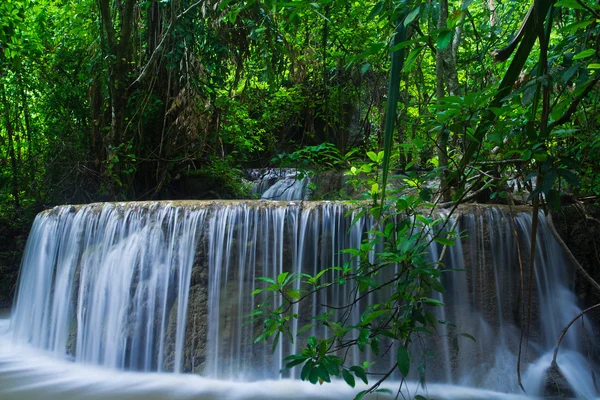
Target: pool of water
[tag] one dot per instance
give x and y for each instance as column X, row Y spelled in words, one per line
column 28, row 373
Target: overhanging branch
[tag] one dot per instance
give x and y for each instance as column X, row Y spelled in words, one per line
column 160, row 46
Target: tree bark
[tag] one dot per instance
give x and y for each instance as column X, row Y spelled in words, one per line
column 11, row 148
column 446, row 80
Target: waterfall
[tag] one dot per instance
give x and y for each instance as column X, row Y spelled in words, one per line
column 167, row 287
column 283, row 184
column 101, row 283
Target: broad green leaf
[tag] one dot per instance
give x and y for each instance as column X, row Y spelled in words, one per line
column 293, row 363
column 403, row 360
column 348, row 377
column 572, row 28
column 584, row 54
column 444, row 38
column 375, row 345
column 432, row 302
column 282, row 277
column 569, row 4
column 412, row 15
column 360, row 373
column 365, row 67
column 445, row 242
column 363, row 339
column 361, row 394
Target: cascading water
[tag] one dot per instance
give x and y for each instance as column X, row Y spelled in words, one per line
column 282, row 184
column 167, row 287
column 101, row 283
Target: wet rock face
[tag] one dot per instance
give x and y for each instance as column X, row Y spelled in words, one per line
column 579, row 227
column 196, row 332
column 12, row 242
column 194, row 348
column 556, row 386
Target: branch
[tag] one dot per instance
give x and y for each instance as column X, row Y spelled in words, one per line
column 573, row 107
column 588, row 8
column 106, row 21
column 504, row 53
column 570, row 255
column 564, row 332
column 499, row 162
column 466, row 198
column 159, row 48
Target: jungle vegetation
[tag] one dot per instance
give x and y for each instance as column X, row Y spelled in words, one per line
column 130, row 99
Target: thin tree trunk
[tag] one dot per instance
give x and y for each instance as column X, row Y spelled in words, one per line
column 442, row 136
column 11, row 149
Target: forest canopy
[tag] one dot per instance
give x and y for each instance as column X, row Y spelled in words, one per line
column 121, row 100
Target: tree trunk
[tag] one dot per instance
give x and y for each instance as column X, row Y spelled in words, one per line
column 118, row 49
column 11, row 148
column 440, row 91
column 446, row 82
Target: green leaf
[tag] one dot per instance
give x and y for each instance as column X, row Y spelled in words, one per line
column 425, row 194
column 367, row 281
column 322, row 374
column 443, row 241
column 466, row 4
column 348, row 377
column 376, row 10
column 569, row 4
column 367, row 317
column 375, row 345
column 432, row 302
column 365, row 67
column 282, row 277
column 293, row 363
column 412, row 57
column 412, row 15
column 584, row 54
column 361, row 394
column 306, row 370
column 360, row 373
column 444, row 38
column 468, row 336
column 569, row 176
column 572, row 28
column 403, row 360
column 363, row 339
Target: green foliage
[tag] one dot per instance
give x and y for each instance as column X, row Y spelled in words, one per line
column 394, row 261
column 98, row 106
column 324, row 156
column 223, row 178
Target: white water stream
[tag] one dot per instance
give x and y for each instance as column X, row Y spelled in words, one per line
column 154, row 287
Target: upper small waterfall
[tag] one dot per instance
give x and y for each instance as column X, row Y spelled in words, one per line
column 167, row 287
column 279, row 184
